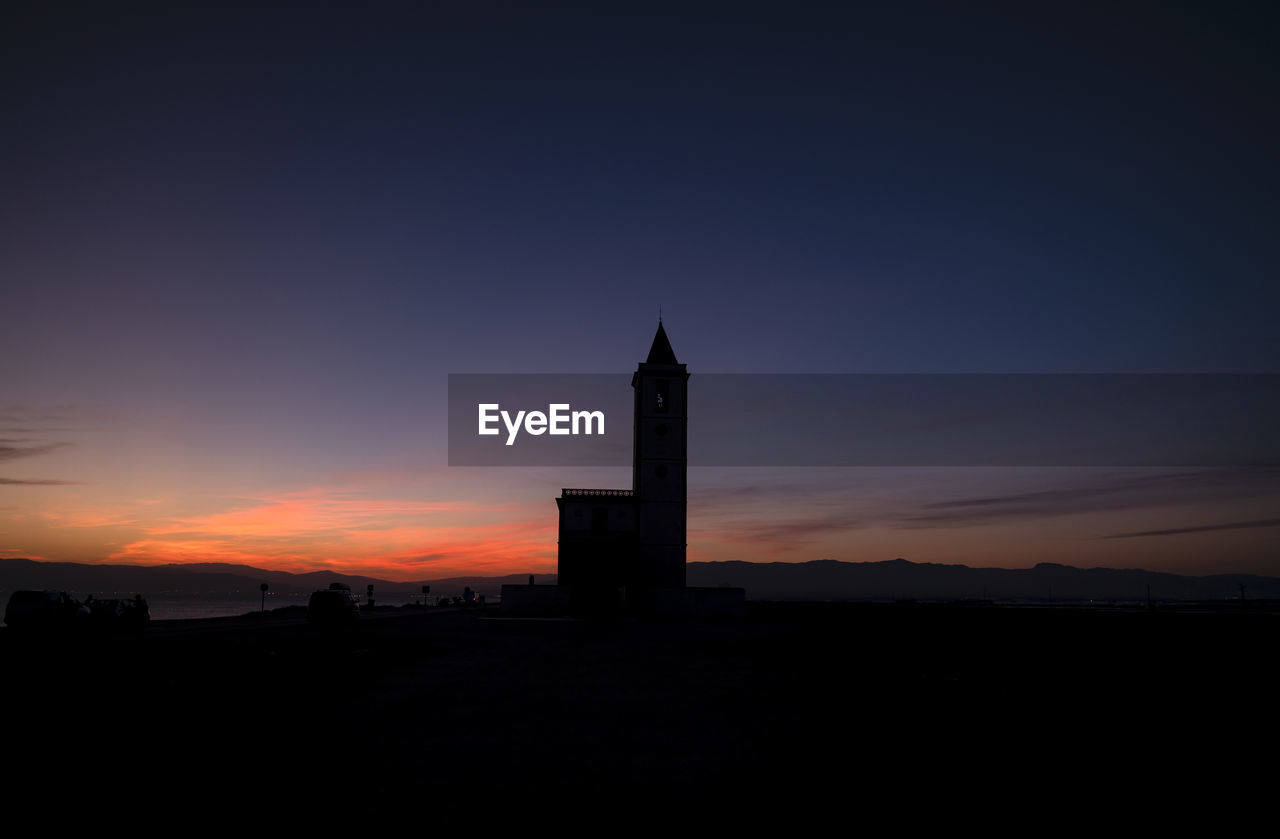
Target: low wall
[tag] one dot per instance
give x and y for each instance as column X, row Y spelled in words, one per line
column 534, row 600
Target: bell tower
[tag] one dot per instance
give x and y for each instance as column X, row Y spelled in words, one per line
column 659, row 467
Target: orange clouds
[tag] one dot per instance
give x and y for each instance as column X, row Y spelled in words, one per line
column 317, row 530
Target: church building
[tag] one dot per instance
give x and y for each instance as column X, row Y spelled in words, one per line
column 633, row 540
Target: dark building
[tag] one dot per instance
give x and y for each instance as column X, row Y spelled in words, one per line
column 633, row 540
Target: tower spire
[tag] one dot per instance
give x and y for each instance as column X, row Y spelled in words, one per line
column 661, row 352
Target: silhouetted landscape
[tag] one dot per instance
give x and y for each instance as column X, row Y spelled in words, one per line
column 899, row 579
column 819, row 580
column 798, row 705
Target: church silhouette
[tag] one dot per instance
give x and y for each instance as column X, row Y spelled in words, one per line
column 625, row 548
column 633, row 539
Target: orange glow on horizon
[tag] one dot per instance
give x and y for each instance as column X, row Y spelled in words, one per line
column 315, row 531
column 476, row 531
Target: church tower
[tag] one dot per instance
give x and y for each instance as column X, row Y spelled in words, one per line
column 625, row 548
column 659, row 467
column 633, row 540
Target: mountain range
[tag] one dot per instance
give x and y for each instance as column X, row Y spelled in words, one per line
column 823, row 579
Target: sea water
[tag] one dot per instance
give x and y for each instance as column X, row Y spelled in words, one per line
column 165, row 607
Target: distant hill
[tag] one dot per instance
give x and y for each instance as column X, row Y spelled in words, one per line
column 898, row 579
column 823, row 579
column 215, row 579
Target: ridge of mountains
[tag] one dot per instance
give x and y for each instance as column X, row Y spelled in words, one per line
column 821, row 580
column 898, row 579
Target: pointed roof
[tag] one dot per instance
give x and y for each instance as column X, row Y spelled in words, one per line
column 661, row 352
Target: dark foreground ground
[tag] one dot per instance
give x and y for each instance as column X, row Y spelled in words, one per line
column 908, row 710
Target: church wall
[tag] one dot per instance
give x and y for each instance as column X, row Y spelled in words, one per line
column 654, row 485
column 662, row 524
column 672, row 385
column 663, row 437
column 579, row 517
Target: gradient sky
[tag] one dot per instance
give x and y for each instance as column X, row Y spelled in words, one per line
column 242, row 247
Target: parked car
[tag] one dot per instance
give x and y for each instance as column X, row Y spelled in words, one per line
column 43, row 610
column 332, row 606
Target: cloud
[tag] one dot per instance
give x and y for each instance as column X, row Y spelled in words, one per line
column 1238, row 525
column 14, row 449
column 11, row 450
column 322, row 530
column 1106, row 494
column 773, row 536
column 29, row 419
column 35, row 482
column 777, row 514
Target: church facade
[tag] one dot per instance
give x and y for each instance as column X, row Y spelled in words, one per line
column 633, row 540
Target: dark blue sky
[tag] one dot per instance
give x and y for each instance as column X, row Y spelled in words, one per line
column 921, row 188
column 294, row 222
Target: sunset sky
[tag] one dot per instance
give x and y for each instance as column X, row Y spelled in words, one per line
column 241, row 249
